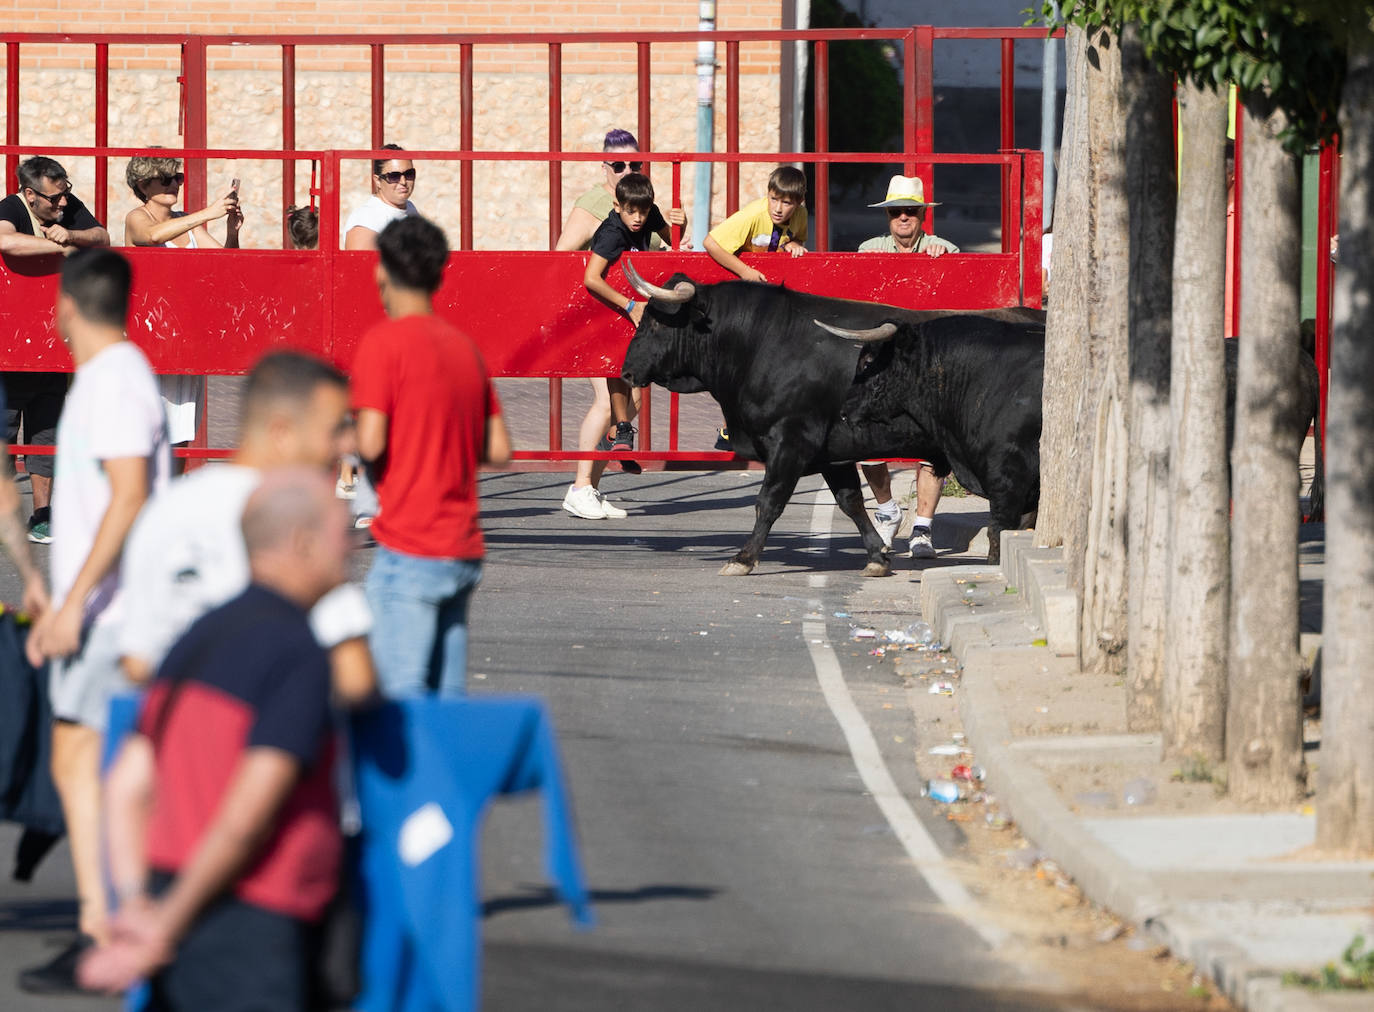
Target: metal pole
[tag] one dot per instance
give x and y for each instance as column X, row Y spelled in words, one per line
column 706, row 124
column 1049, row 94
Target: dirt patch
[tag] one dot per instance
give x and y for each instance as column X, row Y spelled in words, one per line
column 1095, row 957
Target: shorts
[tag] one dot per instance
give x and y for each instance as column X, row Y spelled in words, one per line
column 236, row 958
column 80, row 686
column 36, row 399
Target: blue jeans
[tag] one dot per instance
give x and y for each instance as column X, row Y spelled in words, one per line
column 419, row 634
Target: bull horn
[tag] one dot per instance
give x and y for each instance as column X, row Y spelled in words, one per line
column 875, row 334
column 681, row 292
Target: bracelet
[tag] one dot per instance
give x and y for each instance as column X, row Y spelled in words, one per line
column 629, row 306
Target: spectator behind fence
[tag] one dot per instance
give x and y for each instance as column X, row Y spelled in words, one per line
column 906, row 207
column 112, row 455
column 395, row 182
column 186, row 554
column 156, row 182
column 303, row 225
column 630, row 224
column 428, row 416
column 594, row 206
column 772, row 224
column 223, row 825
column 35, row 595
column 42, row 218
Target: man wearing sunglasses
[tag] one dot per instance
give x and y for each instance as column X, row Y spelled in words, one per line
column 42, row 218
column 906, row 211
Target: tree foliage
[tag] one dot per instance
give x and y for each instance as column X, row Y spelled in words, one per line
column 1292, row 53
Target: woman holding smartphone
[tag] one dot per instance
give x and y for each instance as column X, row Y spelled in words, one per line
column 156, row 183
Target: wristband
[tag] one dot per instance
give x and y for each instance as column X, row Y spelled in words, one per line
column 629, row 306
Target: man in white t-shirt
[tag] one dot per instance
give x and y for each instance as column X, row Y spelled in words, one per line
column 186, row 554
column 112, row 454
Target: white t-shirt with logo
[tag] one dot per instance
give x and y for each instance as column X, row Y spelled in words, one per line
column 185, row 556
column 113, row 410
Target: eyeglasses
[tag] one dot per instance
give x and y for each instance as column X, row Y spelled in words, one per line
column 619, row 167
column 395, row 177
column 175, row 177
column 54, row 198
column 906, row 212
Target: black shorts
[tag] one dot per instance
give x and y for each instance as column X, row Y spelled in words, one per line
column 35, row 398
column 236, row 958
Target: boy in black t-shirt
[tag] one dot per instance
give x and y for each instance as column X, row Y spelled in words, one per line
column 633, row 219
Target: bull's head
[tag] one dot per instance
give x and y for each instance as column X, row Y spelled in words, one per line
column 662, row 349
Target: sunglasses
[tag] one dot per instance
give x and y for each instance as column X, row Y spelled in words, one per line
column 175, row 177
column 395, row 177
column 906, row 212
column 619, row 167
column 54, row 198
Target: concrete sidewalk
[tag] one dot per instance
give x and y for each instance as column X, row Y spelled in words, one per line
column 1226, row 889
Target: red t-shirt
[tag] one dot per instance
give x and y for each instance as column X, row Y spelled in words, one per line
column 429, row 380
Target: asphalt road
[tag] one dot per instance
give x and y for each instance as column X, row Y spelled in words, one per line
column 737, row 856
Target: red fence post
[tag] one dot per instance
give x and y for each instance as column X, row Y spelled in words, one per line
column 465, row 170
column 1007, row 114
column 288, row 137
column 910, row 109
column 102, row 129
column 195, row 130
column 1235, row 251
column 1327, row 223
column 821, row 235
column 731, row 128
column 923, row 74
column 11, row 108
column 645, row 124
column 555, row 141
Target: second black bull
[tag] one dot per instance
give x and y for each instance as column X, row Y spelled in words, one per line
column 962, row 391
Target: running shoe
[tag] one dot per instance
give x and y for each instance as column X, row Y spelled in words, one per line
column 625, row 443
column 921, row 547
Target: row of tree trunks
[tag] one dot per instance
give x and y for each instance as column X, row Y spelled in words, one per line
column 1264, row 709
column 1192, row 705
column 1345, row 797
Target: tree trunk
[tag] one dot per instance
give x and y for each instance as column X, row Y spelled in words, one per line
column 1194, row 687
column 1064, row 452
column 1264, row 710
column 1345, row 798
column 1152, row 185
column 1102, row 633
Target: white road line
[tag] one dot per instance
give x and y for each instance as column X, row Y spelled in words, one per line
column 868, row 758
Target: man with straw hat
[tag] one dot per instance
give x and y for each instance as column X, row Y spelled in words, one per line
column 906, row 205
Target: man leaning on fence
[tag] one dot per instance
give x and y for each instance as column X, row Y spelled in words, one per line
column 43, row 217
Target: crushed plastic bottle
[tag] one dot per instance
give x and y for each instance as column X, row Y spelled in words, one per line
column 1139, row 792
column 863, row 633
column 946, row 791
column 970, row 774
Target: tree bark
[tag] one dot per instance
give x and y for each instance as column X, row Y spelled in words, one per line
column 1102, row 633
column 1264, row 709
column 1152, row 185
column 1194, row 687
column 1345, row 798
column 1064, row 453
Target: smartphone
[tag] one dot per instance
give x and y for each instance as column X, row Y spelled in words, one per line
column 234, row 185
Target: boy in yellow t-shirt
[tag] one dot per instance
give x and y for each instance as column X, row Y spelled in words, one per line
column 776, row 223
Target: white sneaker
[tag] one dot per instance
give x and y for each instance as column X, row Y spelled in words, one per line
column 589, row 504
column 921, row 548
column 345, row 490
column 887, row 526
column 584, row 502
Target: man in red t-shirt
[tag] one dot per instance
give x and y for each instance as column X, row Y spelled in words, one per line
column 428, row 416
column 223, row 828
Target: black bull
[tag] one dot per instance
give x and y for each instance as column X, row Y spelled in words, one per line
column 962, row 391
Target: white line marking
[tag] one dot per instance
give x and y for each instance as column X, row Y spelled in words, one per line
column 868, row 760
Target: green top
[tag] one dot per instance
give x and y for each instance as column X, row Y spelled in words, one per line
column 886, row 244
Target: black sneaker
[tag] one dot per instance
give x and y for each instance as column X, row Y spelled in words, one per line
column 625, row 443
column 603, row 445
column 723, row 440
column 58, row 976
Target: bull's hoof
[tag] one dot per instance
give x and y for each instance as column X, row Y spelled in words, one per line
column 733, row 568
column 878, row 569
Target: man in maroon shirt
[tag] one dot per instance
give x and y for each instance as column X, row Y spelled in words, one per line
column 223, row 828
column 428, row 417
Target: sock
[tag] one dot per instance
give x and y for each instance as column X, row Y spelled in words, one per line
column 923, row 522
column 889, row 509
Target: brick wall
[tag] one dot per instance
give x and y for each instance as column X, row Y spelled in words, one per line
column 421, row 86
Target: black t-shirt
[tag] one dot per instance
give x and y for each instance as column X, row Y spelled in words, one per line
column 75, row 217
column 612, row 237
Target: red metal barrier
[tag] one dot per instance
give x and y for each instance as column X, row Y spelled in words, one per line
column 321, row 301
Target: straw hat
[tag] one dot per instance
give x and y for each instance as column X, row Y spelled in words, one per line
column 906, row 191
